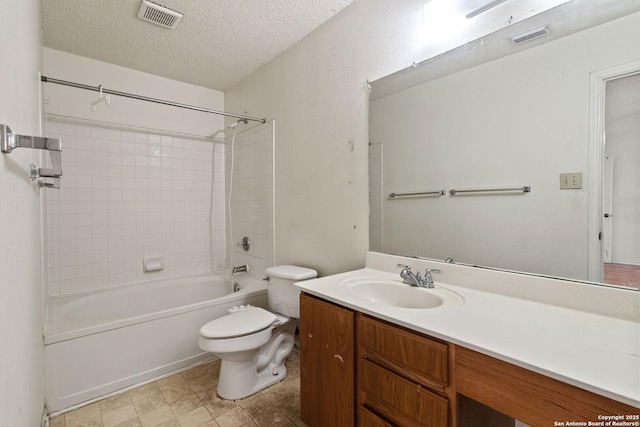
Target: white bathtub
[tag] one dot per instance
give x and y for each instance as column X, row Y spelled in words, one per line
column 100, row 342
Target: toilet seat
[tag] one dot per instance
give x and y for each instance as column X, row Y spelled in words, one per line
column 238, row 324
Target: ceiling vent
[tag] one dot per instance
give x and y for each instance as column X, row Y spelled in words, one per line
column 159, row 15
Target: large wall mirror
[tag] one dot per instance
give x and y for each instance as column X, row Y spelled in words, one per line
column 496, row 115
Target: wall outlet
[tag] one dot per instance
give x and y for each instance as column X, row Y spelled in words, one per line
column 571, row 180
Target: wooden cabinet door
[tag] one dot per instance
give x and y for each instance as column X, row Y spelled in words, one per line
column 327, row 363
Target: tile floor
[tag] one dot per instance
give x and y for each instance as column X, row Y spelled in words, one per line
column 189, row 399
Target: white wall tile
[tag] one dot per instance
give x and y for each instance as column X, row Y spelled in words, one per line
column 252, row 194
column 129, row 194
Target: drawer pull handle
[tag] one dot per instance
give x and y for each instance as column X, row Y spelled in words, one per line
column 337, row 356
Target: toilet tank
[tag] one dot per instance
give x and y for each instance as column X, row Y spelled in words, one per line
column 284, row 298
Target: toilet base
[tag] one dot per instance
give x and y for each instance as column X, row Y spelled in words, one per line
column 236, row 389
column 265, row 367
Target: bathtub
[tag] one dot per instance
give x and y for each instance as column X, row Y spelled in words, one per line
column 99, row 342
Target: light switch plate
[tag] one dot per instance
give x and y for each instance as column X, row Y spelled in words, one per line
column 571, row 181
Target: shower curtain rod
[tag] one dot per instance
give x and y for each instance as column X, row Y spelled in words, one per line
column 146, row 98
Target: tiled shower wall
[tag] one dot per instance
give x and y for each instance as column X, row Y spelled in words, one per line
column 252, row 196
column 130, row 193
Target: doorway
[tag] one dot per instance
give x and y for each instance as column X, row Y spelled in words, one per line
column 620, row 178
column 614, row 171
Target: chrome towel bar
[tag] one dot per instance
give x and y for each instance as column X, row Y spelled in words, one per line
column 421, row 193
column 525, row 189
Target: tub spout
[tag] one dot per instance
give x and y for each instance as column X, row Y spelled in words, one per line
column 240, row 268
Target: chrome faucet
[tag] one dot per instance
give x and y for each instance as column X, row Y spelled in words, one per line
column 407, row 275
column 415, row 279
column 240, row 269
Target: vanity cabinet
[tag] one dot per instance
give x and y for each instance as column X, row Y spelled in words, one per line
column 327, row 363
column 530, row 397
column 403, row 376
column 406, row 378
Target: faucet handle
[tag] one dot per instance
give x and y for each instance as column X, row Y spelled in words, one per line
column 405, row 274
column 406, row 270
column 428, row 280
column 427, row 274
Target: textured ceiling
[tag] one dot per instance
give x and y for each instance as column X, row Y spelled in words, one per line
column 216, row 44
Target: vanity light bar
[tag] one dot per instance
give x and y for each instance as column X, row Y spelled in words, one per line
column 530, row 35
column 483, row 8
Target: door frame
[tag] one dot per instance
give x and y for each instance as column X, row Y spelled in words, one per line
column 607, row 206
column 597, row 140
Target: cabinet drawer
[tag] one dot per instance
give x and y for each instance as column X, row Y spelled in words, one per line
column 367, row 418
column 399, row 400
column 409, row 350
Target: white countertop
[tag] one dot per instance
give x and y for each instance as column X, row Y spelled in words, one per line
column 589, row 350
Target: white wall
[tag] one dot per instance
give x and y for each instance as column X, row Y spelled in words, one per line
column 21, row 354
column 316, row 91
column 520, row 120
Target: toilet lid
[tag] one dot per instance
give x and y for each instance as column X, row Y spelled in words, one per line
column 238, row 324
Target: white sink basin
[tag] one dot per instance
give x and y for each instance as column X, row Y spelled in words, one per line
column 397, row 294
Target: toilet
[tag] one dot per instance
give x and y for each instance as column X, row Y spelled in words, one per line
column 252, row 342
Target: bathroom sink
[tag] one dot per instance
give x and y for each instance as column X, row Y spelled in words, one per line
column 397, row 294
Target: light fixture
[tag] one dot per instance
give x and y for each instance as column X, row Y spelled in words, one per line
column 531, row 34
column 441, row 19
column 488, row 5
